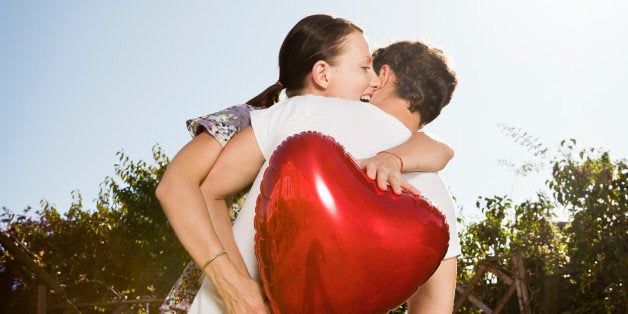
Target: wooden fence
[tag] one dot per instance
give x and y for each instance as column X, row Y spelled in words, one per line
column 514, row 278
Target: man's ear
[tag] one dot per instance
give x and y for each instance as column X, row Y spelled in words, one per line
column 321, row 72
column 385, row 75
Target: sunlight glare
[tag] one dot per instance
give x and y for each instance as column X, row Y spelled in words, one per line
column 325, row 196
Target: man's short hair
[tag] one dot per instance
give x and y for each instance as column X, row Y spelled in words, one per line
column 423, row 76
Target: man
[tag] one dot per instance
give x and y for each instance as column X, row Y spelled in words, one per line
column 416, row 84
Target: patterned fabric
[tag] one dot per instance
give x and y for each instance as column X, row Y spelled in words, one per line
column 184, row 290
column 222, row 125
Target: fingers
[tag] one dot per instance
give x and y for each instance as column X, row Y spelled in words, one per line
column 385, row 171
column 409, row 187
column 360, row 163
column 395, row 184
column 371, row 171
column 382, row 181
column 369, row 167
column 394, row 180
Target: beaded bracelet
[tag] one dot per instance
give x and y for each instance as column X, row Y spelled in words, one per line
column 391, row 153
column 211, row 259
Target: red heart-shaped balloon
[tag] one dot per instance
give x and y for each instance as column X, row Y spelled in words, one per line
column 329, row 241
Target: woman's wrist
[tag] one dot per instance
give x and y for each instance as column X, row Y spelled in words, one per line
column 221, row 269
column 212, row 258
column 389, row 153
column 223, row 273
column 228, row 280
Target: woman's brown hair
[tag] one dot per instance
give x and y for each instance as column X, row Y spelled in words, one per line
column 314, row 38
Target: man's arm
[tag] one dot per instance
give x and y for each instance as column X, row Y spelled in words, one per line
column 419, row 153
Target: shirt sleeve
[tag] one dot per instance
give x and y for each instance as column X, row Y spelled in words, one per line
column 222, row 125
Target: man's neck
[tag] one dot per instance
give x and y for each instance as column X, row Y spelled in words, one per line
column 398, row 108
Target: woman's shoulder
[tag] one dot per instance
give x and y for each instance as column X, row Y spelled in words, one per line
column 222, row 124
column 233, row 112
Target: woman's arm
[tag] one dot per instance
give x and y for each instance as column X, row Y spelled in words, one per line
column 235, row 169
column 419, row 153
column 181, row 199
column 423, row 153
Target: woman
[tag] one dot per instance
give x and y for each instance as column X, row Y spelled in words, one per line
column 331, row 49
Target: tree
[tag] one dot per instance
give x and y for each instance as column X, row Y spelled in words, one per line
column 579, row 269
column 509, row 228
column 122, row 249
column 125, row 249
column 594, row 189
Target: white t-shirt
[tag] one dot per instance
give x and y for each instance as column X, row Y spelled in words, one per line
column 363, row 130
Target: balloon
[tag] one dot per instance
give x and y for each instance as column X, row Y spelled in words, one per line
column 329, row 241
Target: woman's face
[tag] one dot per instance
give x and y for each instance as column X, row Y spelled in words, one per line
column 352, row 77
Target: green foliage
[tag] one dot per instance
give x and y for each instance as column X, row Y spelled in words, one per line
column 122, row 249
column 594, row 190
column 579, row 269
column 125, row 249
column 525, row 229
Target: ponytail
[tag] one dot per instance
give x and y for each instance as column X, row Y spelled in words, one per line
column 268, row 97
column 315, row 37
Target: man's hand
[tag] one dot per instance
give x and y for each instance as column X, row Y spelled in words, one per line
column 386, row 170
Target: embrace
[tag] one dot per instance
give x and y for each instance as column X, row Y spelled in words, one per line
column 374, row 104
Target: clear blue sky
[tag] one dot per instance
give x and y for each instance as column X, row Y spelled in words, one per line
column 81, row 80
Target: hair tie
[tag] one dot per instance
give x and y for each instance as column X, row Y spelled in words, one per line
column 279, row 83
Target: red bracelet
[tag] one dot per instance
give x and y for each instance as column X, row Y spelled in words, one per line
column 391, row 153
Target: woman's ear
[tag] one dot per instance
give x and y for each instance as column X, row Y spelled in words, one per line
column 321, row 72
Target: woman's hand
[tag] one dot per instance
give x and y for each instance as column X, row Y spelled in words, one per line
column 240, row 292
column 246, row 298
column 386, row 170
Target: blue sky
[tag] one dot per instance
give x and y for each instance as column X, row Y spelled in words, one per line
column 80, row 81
